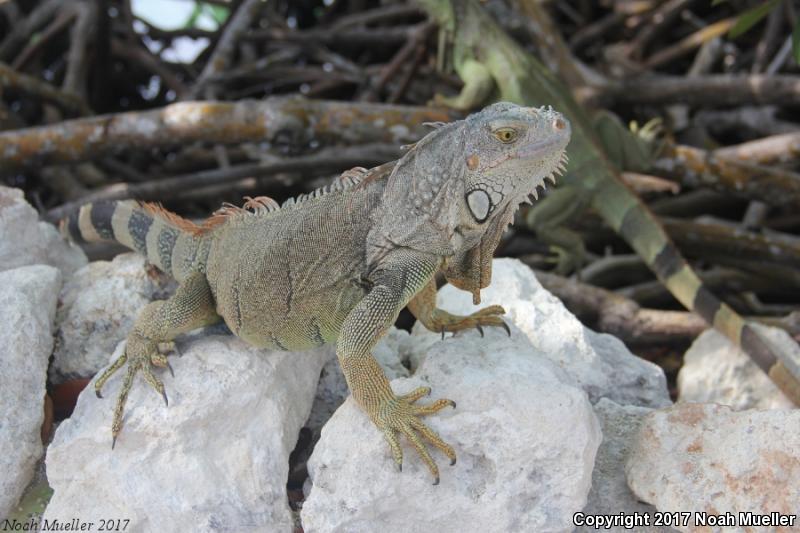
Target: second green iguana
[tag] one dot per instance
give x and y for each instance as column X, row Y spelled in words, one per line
column 338, row 264
column 494, row 66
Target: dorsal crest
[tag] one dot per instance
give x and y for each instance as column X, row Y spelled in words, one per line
column 264, row 205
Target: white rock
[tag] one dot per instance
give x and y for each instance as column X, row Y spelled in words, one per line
column 610, row 494
column 715, row 370
column 525, row 439
column 216, row 459
column 28, row 302
column 599, row 363
column 332, row 388
column 709, row 458
column 99, row 306
column 24, row 240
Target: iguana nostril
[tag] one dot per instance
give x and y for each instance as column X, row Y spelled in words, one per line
column 559, row 124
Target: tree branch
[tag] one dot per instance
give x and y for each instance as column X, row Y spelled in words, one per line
column 328, row 160
column 294, row 120
column 712, row 90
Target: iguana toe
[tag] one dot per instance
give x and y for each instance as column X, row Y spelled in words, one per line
column 116, row 365
column 416, row 394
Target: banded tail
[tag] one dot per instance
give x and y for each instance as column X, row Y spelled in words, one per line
column 172, row 243
column 626, row 214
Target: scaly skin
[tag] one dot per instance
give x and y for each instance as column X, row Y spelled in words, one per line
column 339, row 264
column 493, row 66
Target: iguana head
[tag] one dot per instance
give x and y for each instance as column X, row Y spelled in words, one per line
column 457, row 189
column 508, row 152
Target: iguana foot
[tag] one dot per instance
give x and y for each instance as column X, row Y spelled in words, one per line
column 400, row 415
column 488, row 316
column 567, row 261
column 451, row 102
column 142, row 355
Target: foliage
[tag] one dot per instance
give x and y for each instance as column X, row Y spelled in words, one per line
column 745, row 21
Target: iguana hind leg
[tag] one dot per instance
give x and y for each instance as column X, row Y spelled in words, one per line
column 191, row 307
column 423, row 307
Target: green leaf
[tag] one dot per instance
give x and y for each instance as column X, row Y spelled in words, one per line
column 192, row 20
column 751, row 17
column 796, row 43
column 218, row 13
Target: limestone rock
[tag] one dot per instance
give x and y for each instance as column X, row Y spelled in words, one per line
column 99, row 306
column 709, row 458
column 216, row 459
column 28, row 300
column 610, row 494
column 27, row 241
column 525, row 437
column 715, row 370
column 599, row 363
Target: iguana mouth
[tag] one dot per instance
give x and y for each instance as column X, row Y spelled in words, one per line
column 541, row 148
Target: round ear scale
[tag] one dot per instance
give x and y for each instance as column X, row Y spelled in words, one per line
column 480, row 204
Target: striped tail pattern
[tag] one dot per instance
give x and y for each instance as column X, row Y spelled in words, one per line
column 623, row 210
column 173, row 244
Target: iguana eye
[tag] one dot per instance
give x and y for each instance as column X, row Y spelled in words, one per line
column 480, row 204
column 505, row 135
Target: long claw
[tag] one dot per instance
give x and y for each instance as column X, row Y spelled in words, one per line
column 442, row 332
column 172, row 372
column 113, row 442
column 436, row 480
column 480, row 329
column 166, row 400
column 508, row 329
column 98, row 394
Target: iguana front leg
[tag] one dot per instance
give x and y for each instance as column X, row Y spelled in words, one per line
column 423, row 307
column 393, row 286
column 191, row 307
column 547, row 220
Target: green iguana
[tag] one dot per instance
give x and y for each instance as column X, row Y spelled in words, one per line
column 494, row 66
column 339, row 264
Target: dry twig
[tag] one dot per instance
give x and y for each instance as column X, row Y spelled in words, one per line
column 294, row 120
